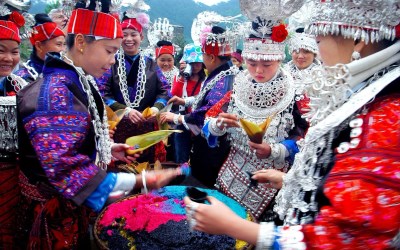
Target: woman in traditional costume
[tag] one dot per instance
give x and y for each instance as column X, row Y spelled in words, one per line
column 134, row 85
column 45, row 37
column 343, row 188
column 165, row 58
column 10, row 84
column 264, row 91
column 304, row 51
column 64, row 139
column 216, row 47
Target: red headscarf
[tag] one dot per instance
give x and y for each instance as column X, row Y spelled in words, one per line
column 132, row 23
column 94, row 23
column 44, row 32
column 9, row 30
column 167, row 49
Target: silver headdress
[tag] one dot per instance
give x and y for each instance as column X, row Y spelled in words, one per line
column 267, row 27
column 297, row 21
column 221, row 44
column 368, row 21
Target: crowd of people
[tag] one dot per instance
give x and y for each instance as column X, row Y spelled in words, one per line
column 321, row 171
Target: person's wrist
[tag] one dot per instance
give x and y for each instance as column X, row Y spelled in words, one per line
column 176, row 119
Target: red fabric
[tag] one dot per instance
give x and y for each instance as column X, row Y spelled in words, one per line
column 238, row 56
column 216, row 49
column 132, row 23
column 9, row 31
column 177, row 87
column 44, row 32
column 165, row 50
column 363, row 187
column 215, row 110
column 94, row 23
column 9, row 200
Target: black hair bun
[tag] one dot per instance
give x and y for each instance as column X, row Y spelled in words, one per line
column 217, row 30
column 163, row 43
column 42, row 18
column 239, row 51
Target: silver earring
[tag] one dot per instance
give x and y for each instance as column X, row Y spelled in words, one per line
column 355, row 56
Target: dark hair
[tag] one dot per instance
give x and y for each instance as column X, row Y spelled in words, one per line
column 163, row 43
column 239, row 51
column 70, row 41
column 42, row 18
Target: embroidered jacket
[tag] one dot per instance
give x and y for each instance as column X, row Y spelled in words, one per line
column 56, row 133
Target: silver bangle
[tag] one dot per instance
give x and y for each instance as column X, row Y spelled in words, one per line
column 176, row 119
column 214, row 129
column 127, row 111
column 144, row 190
column 266, row 236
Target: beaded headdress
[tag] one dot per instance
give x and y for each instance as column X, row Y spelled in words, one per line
column 268, row 32
column 368, row 20
column 221, row 43
column 304, row 41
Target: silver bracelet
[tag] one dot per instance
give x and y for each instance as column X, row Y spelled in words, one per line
column 127, row 111
column 266, row 236
column 214, row 129
column 144, row 190
column 176, row 119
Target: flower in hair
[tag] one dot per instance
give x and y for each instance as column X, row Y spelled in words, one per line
column 204, row 33
column 17, row 18
column 143, row 19
column 279, row 33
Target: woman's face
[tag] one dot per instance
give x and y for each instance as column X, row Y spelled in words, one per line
column 9, row 56
column 196, row 67
column 131, row 41
column 165, row 62
column 303, row 58
column 54, row 45
column 262, row 71
column 99, row 56
column 335, row 49
column 236, row 62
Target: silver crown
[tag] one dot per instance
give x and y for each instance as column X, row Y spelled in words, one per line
column 303, row 41
column 367, row 20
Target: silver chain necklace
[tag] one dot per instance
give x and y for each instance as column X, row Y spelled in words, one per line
column 102, row 137
column 31, row 70
column 231, row 71
column 141, row 80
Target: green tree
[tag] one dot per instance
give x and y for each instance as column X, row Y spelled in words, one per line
column 52, row 5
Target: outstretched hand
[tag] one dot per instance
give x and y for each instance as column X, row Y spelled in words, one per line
column 215, row 218
column 118, row 150
column 176, row 100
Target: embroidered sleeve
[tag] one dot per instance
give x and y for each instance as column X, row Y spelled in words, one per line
column 212, row 97
column 57, row 130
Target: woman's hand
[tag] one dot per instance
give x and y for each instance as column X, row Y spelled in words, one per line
column 167, row 117
column 176, row 100
column 271, row 176
column 159, row 178
column 135, row 116
column 118, row 151
column 215, row 218
column 227, row 120
column 262, row 150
